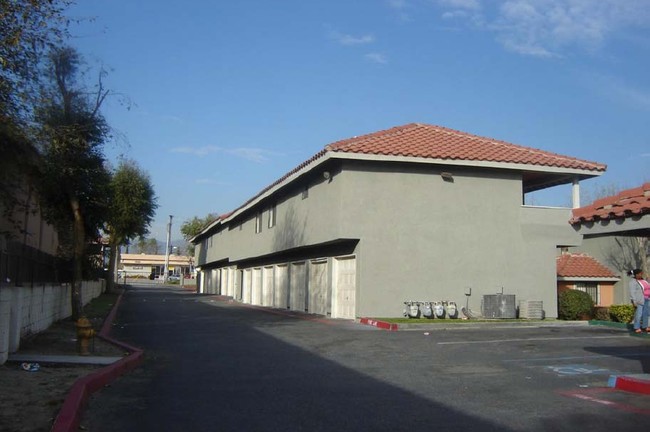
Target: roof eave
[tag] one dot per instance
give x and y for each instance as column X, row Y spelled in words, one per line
column 468, row 163
column 288, row 180
column 587, row 279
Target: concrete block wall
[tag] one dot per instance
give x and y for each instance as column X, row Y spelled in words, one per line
column 29, row 310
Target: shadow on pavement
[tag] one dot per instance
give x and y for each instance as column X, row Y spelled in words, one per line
column 210, row 369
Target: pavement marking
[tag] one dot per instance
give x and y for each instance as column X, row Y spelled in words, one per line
column 591, row 396
column 492, row 341
column 578, row 369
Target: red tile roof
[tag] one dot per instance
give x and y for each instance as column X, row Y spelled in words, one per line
column 630, row 202
column 436, row 142
column 580, row 266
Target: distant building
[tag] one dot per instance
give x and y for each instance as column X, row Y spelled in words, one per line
column 143, row 265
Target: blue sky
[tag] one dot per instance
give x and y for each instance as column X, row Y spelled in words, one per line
column 218, row 99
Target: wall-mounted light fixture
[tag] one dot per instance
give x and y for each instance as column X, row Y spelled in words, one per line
column 326, row 175
column 447, row 176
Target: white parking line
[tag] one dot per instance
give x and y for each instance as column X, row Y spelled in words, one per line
column 494, row 341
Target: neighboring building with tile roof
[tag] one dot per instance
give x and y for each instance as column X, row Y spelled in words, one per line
column 610, row 227
column 415, row 212
column 585, row 273
column 626, row 213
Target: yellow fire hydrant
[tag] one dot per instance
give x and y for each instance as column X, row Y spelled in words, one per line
column 85, row 333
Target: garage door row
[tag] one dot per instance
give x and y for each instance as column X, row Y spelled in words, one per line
column 325, row 286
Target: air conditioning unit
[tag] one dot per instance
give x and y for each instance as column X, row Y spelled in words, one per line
column 499, row 306
column 531, row 309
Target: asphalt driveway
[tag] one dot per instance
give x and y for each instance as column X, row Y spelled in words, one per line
column 214, row 365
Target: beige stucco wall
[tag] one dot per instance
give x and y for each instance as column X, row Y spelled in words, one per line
column 31, row 230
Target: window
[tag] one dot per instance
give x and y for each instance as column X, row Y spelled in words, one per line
column 272, row 216
column 258, row 223
column 590, row 288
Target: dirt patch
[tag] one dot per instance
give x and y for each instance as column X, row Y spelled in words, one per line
column 30, row 401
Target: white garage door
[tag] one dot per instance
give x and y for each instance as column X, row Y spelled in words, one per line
column 246, row 286
column 344, row 288
column 213, row 282
column 318, row 287
column 281, row 292
column 297, row 286
column 232, row 281
column 256, row 298
column 267, row 286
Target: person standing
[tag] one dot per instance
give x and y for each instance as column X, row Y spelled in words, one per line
column 640, row 297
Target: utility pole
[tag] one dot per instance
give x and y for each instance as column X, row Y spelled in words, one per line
column 169, row 233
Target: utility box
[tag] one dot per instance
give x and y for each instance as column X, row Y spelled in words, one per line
column 499, row 306
column 531, row 309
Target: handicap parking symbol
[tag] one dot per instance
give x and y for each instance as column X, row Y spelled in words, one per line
column 578, row 369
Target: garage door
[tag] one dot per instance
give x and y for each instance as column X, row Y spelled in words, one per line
column 281, row 283
column 213, row 282
column 256, row 296
column 267, row 286
column 297, row 286
column 246, row 286
column 318, row 287
column 344, row 288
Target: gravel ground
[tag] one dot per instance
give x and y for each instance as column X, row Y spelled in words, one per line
column 30, row 401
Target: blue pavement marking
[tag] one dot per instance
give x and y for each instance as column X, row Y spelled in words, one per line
column 579, row 369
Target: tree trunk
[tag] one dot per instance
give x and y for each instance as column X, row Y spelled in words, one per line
column 642, row 243
column 112, row 263
column 79, row 247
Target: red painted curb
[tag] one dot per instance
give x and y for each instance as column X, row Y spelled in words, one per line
column 69, row 416
column 379, row 324
column 631, row 384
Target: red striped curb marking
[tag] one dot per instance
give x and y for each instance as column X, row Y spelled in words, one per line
column 632, row 384
column 379, row 324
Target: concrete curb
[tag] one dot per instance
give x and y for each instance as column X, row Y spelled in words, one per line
column 69, row 416
column 639, row 383
column 379, row 324
column 466, row 324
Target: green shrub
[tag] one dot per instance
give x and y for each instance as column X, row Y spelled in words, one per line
column 623, row 313
column 574, row 304
column 602, row 314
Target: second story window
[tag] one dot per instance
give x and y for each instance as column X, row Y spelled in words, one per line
column 272, row 216
column 258, row 223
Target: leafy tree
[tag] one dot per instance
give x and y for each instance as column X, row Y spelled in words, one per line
column 75, row 182
column 192, row 227
column 29, row 29
column 153, row 247
column 132, row 209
